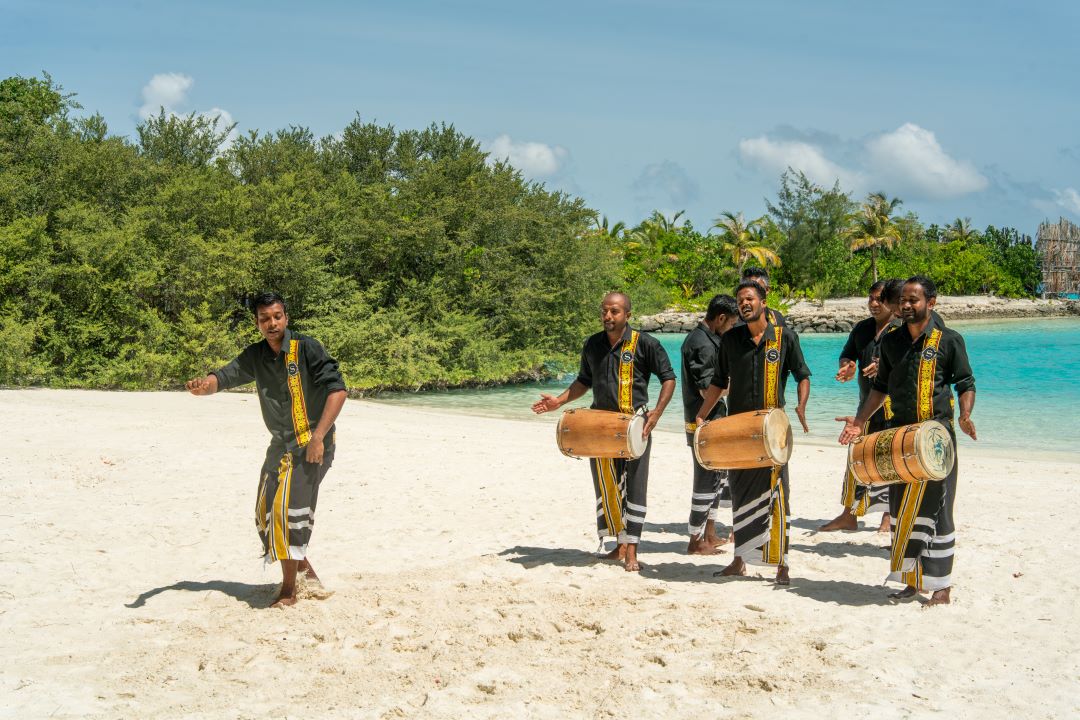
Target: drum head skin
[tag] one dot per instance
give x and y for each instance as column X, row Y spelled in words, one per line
column 636, row 444
column 778, row 436
column 935, row 449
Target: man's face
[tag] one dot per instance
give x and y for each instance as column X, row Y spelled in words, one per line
column 726, row 323
column 613, row 314
column 750, row 304
column 914, row 307
column 272, row 321
column 879, row 310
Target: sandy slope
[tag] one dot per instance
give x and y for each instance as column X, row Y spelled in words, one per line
column 457, row 549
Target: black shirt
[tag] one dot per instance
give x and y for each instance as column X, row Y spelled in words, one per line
column 899, row 372
column 863, row 346
column 601, row 363
column 318, row 374
column 744, row 363
column 698, row 352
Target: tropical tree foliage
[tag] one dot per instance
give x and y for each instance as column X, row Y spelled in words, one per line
column 417, row 260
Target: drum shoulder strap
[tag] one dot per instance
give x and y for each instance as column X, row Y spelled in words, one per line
column 626, row 373
column 927, row 374
column 296, row 394
column 772, row 368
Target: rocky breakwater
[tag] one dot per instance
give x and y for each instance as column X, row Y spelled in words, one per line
column 840, row 315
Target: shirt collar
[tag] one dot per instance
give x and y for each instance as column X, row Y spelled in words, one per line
column 286, row 337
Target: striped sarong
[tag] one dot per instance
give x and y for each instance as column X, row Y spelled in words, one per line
column 759, row 501
column 285, row 503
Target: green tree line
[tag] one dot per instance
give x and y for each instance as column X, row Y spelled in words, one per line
column 817, row 243
column 126, row 263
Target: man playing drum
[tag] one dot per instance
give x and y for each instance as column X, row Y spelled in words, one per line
column 698, row 364
column 859, row 359
column 616, row 364
column 753, row 364
column 761, row 277
column 918, row 365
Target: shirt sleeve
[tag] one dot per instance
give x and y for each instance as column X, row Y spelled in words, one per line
column 884, row 369
column 850, row 352
column 238, row 372
column 322, row 367
column 962, row 378
column 796, row 362
column 701, row 372
column 585, row 371
column 659, row 362
column 720, row 371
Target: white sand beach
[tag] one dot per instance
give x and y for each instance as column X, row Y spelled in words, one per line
column 457, row 554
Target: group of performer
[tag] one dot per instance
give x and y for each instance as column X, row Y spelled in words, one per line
column 736, row 360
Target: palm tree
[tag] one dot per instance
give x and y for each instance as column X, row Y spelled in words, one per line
column 745, row 240
column 961, row 229
column 613, row 232
column 873, row 227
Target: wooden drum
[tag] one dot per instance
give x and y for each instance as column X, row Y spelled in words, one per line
column 756, row 439
column 601, row 434
column 907, row 454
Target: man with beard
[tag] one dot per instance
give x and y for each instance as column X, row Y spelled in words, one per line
column 753, row 364
column 616, row 364
column 710, row 489
column 918, row 364
column 860, row 356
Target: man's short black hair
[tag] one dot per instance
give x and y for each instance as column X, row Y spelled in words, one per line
column 928, row 285
column 879, row 285
column 890, row 294
column 755, row 272
column 721, row 305
column 751, row 284
column 267, row 299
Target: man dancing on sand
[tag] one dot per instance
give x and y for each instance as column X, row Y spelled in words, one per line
column 301, row 393
column 616, row 364
column 755, row 360
column 710, row 489
column 918, row 364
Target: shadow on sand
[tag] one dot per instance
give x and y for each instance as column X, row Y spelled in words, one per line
column 531, row 557
column 256, row 596
column 843, row 549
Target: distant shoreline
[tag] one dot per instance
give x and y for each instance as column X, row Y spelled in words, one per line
column 840, row 314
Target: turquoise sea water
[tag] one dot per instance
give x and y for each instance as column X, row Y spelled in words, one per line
column 1027, row 376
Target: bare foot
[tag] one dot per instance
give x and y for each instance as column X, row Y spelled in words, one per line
column 844, row 521
column 619, row 553
column 711, row 537
column 940, row 597
column 702, row 547
column 309, row 572
column 735, row 569
column 905, row 594
column 782, row 577
column 631, row 563
column 886, row 524
column 285, row 597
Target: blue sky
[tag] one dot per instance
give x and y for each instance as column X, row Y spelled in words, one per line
column 959, row 108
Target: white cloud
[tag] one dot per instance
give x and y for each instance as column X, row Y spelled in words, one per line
column 776, row 156
column 668, row 180
column 534, row 159
column 910, row 160
column 1069, row 199
column 168, row 90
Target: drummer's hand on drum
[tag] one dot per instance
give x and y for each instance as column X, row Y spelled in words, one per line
column 651, row 418
column 967, row 425
column 852, row 429
column 846, row 372
column 870, row 371
column 546, row 403
column 800, row 411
